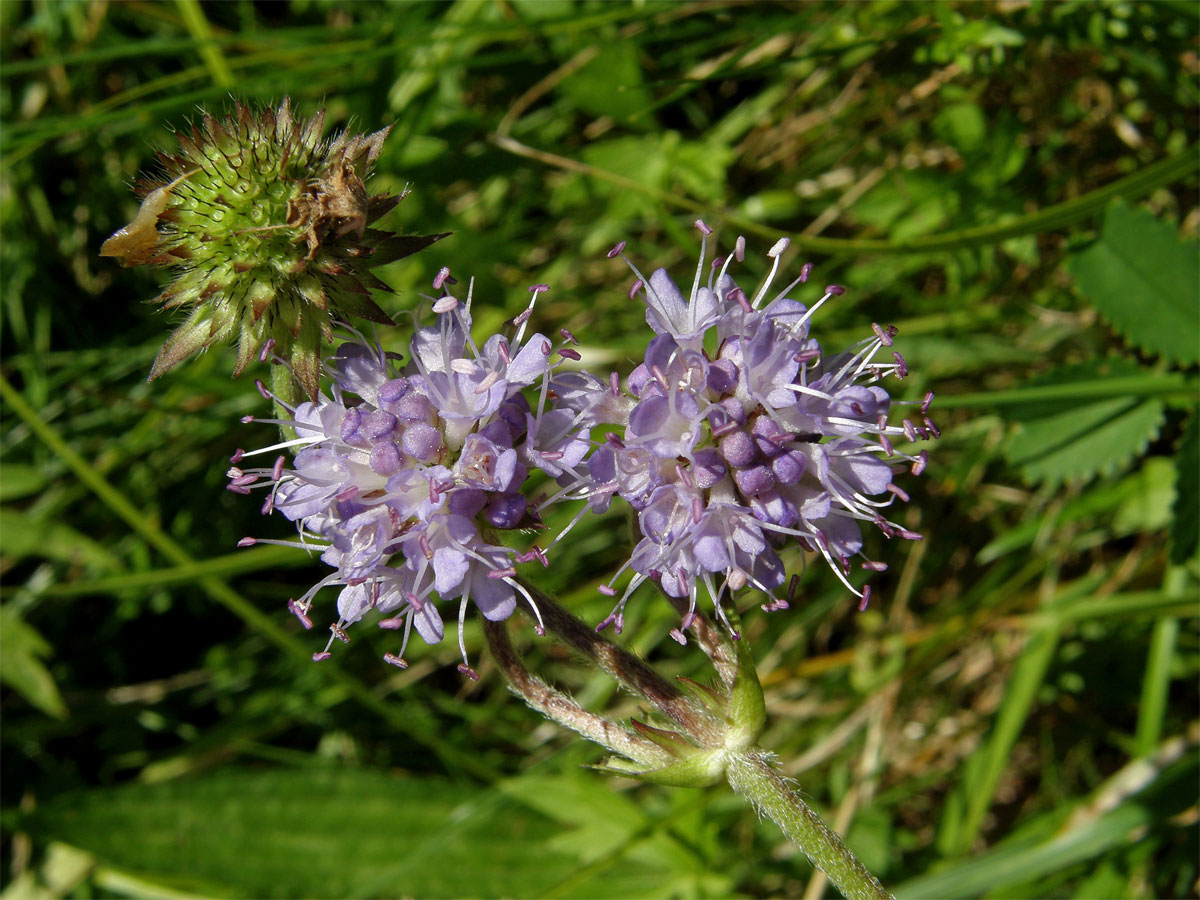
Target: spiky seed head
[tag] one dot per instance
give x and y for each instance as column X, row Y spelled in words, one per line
column 271, row 229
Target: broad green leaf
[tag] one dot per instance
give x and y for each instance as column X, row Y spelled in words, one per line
column 611, row 84
column 20, row 480
column 20, row 666
column 1185, row 526
column 26, row 535
column 1073, row 440
column 338, row 833
column 1147, row 508
column 1145, row 282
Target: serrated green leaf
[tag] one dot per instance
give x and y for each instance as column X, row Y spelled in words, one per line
column 1073, row 440
column 1145, row 282
column 22, row 670
column 1185, row 524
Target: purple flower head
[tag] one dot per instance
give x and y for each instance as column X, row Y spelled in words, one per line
column 744, row 436
column 404, row 479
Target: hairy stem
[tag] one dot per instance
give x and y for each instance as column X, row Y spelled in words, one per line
column 629, row 671
column 751, row 774
column 560, row 708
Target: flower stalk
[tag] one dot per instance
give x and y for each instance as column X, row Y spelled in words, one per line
column 714, row 736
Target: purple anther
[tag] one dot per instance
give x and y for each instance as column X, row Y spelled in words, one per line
column 804, row 272
column 866, row 598
column 348, row 494
column 634, row 288
column 614, row 383
column 393, row 624
column 677, row 635
column 883, row 336
column 684, row 475
column 277, row 469
column 898, row 491
column 926, row 402
column 774, row 605
column 394, row 660
column 237, row 488
column 778, row 247
column 546, row 348
column 502, row 350
column 836, row 289
column 568, row 336
column 805, row 356
column 614, row 439
column 681, row 580
column 885, row 526
column 792, row 586
column 466, row 670
column 660, row 376
column 702, row 227
column 568, row 353
column 739, row 248
column 300, row 613
column 414, row 601
column 440, row 278
column 500, row 574
column 933, row 429
column 920, row 462
column 909, row 431
column 697, row 510
column 539, row 629
column 268, row 506
column 688, row 620
column 617, row 250
column 426, row 547
column 886, row 444
column 538, row 288
column 322, row 656
column 718, row 262
column 552, row 455
column 910, row 535
column 238, row 454
column 738, row 296
column 607, row 591
column 445, row 304
column 262, row 389
column 875, row 566
column 247, row 542
column 901, row 365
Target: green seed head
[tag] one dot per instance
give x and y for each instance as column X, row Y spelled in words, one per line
column 271, row 230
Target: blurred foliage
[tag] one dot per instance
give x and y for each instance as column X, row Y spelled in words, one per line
column 1017, row 717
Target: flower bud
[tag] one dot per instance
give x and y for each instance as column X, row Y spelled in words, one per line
column 271, row 230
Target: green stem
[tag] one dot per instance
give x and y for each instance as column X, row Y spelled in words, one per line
column 751, row 774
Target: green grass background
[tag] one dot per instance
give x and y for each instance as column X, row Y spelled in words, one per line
column 1013, row 185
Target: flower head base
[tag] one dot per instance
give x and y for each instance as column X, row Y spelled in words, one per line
column 271, row 229
column 745, row 435
column 404, row 478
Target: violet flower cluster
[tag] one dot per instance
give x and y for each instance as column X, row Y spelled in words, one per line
column 744, row 436
column 403, row 479
column 737, row 435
